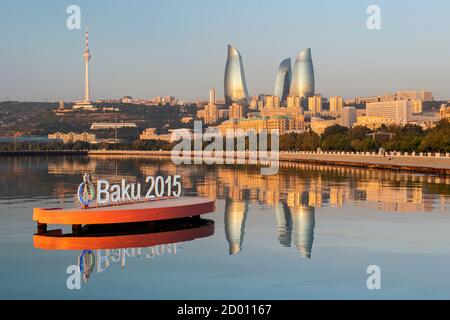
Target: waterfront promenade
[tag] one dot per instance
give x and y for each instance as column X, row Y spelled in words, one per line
column 422, row 163
column 26, row 153
column 436, row 163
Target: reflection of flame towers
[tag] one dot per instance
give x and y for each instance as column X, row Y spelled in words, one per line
column 300, row 220
column 284, row 224
column 303, row 222
column 235, row 217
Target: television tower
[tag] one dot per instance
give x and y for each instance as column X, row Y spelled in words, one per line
column 87, row 57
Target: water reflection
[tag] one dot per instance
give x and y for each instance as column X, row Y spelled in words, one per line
column 296, row 222
column 104, row 245
column 303, row 223
column 235, row 217
column 386, row 191
column 284, row 224
column 130, row 235
column 304, row 211
column 294, row 195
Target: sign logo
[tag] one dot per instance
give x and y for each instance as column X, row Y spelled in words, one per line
column 125, row 193
column 86, row 191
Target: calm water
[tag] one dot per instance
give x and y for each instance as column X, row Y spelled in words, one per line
column 308, row 232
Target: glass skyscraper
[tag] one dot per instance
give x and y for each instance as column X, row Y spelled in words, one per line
column 302, row 84
column 235, row 87
column 283, row 80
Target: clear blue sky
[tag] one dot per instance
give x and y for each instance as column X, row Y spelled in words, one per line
column 145, row 48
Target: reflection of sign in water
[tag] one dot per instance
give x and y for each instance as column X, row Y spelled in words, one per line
column 88, row 260
column 107, row 257
column 116, row 243
column 86, row 263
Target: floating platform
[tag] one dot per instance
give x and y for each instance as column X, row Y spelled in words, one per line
column 155, row 210
column 132, row 238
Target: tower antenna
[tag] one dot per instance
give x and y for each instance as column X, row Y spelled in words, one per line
column 87, row 57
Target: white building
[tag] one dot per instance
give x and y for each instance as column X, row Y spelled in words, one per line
column 112, row 125
column 398, row 111
column 414, row 95
column 315, row 104
column 336, row 104
column 348, row 117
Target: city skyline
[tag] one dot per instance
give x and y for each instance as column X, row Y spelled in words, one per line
column 144, row 58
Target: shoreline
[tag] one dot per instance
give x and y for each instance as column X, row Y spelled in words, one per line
column 42, row 153
column 417, row 164
column 421, row 163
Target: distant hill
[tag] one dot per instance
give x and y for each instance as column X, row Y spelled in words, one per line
column 38, row 118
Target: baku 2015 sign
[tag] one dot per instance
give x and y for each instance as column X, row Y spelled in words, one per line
column 106, row 193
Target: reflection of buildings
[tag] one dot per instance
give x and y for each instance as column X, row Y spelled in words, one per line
column 386, row 198
column 322, row 185
column 325, row 185
column 296, row 221
column 296, row 186
column 284, row 224
column 235, row 217
column 294, row 193
column 303, row 223
column 67, row 166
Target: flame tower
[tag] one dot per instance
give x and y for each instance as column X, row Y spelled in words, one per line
column 302, row 84
column 235, row 87
column 283, row 80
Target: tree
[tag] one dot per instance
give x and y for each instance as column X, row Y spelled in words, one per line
column 437, row 139
column 359, row 132
column 366, row 144
column 334, row 130
column 340, row 142
column 305, row 141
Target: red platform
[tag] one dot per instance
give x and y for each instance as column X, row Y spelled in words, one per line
column 166, row 209
column 54, row 240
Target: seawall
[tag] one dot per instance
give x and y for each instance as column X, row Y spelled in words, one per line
column 420, row 163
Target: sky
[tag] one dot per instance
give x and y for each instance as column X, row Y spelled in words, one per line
column 147, row 48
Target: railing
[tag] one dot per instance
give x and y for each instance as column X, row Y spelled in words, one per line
column 309, row 153
column 384, row 154
column 390, row 154
column 42, row 152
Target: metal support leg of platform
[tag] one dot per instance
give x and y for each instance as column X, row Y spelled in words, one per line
column 41, row 228
column 76, row 229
